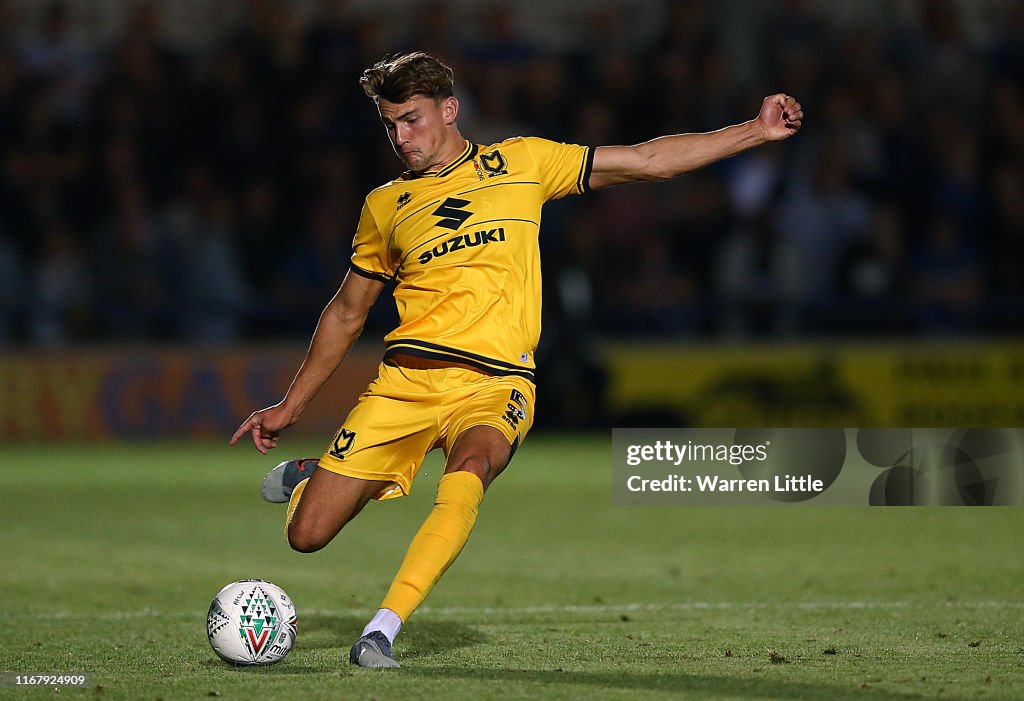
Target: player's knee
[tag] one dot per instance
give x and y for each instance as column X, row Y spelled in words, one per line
column 476, row 465
column 303, row 539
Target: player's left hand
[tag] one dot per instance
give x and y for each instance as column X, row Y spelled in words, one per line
column 780, row 117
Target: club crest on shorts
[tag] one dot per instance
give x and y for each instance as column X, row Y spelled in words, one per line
column 342, row 443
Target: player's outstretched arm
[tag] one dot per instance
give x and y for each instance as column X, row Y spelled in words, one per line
column 668, row 156
column 340, row 325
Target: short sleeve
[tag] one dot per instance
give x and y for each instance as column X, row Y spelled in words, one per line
column 563, row 169
column 369, row 252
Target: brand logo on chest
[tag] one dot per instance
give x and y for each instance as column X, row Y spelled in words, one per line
column 455, row 243
column 453, row 213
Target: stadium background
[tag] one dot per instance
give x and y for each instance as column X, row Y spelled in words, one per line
column 179, row 183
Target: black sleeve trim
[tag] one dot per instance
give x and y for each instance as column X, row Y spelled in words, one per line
column 588, row 167
column 367, row 274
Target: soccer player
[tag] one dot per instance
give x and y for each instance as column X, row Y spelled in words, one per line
column 458, row 234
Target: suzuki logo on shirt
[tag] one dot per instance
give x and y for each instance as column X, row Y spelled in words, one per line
column 477, row 238
column 453, row 213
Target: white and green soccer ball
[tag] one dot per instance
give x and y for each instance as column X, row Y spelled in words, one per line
column 251, row 622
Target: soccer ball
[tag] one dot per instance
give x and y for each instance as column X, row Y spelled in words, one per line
column 251, row 622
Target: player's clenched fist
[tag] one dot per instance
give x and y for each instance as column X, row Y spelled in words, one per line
column 780, row 117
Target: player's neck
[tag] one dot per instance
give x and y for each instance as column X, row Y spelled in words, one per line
column 452, row 150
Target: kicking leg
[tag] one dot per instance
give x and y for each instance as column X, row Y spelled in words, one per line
column 321, row 505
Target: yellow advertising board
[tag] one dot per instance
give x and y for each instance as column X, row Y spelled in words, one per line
column 142, row 393
column 920, row 384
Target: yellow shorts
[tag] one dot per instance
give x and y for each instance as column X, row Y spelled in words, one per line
column 406, row 413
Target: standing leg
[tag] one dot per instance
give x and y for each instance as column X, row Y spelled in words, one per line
column 477, row 457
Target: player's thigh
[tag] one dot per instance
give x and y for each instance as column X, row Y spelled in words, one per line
column 328, row 502
column 488, row 425
column 483, row 450
column 388, row 433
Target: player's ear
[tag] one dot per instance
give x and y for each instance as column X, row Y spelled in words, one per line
column 450, row 110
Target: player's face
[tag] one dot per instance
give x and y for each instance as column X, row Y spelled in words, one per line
column 419, row 129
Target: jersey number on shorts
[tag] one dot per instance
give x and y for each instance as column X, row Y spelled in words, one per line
column 516, row 409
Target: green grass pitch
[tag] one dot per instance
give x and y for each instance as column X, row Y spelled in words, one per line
column 111, row 554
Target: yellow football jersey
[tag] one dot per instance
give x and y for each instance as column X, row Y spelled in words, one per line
column 461, row 243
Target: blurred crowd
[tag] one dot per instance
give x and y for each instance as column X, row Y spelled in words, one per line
column 150, row 191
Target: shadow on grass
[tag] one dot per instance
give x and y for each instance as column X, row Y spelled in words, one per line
column 318, row 631
column 431, row 637
column 695, row 684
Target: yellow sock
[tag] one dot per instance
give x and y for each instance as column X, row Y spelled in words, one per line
column 438, row 542
column 293, row 502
